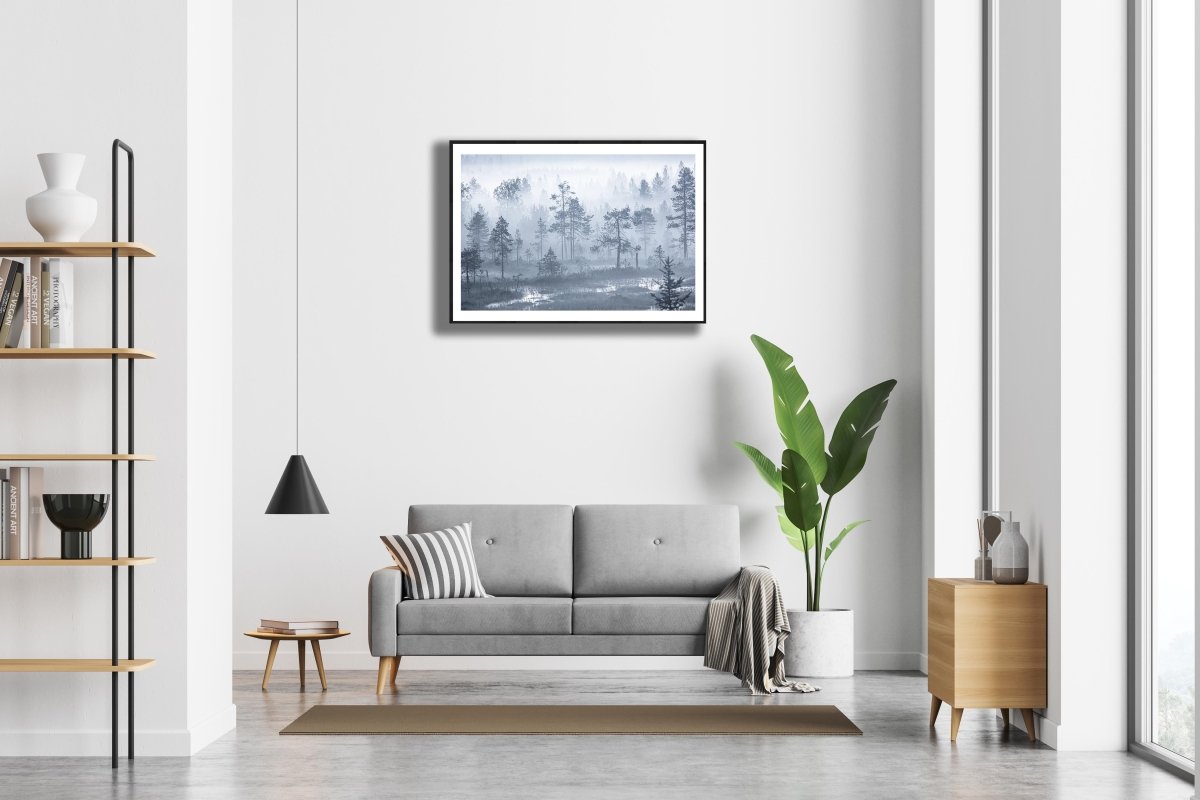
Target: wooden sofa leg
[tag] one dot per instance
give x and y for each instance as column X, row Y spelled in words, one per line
column 395, row 669
column 387, row 671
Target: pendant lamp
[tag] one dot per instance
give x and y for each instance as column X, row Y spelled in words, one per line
column 297, row 491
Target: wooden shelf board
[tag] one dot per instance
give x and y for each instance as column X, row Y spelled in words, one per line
column 124, row 561
column 74, row 665
column 78, row 353
column 74, row 249
column 75, row 457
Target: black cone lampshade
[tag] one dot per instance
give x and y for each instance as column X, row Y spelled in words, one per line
column 297, row 492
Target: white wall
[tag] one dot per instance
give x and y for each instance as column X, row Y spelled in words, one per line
column 1062, row 372
column 812, row 112
column 104, row 71
column 952, row 288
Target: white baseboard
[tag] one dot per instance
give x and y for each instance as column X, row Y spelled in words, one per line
column 151, row 743
column 361, row 659
column 923, row 664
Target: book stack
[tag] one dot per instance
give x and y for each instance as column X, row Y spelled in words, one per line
column 37, row 302
column 306, row 627
column 23, row 531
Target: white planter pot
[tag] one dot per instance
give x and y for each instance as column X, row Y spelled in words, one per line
column 821, row 644
column 62, row 213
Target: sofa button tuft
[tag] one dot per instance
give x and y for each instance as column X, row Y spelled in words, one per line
column 658, row 541
column 489, row 541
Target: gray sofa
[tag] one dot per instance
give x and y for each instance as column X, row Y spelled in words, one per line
column 588, row 580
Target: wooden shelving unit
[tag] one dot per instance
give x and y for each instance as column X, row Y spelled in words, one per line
column 125, row 561
column 75, row 249
column 116, row 355
column 75, row 665
column 74, row 353
column 23, row 457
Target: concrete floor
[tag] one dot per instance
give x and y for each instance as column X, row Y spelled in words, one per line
column 898, row 756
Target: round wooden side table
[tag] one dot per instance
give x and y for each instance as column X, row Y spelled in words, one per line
column 299, row 638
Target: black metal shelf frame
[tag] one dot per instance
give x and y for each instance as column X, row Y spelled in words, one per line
column 117, row 147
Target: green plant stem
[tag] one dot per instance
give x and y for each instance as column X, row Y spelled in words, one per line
column 808, row 581
column 820, row 566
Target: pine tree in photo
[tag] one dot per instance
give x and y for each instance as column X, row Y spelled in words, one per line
column 549, row 266
column 612, row 237
column 477, row 231
column 518, row 243
column 561, row 224
column 510, row 193
column 471, row 262
column 658, row 186
column 645, row 193
column 683, row 201
column 670, row 296
column 501, row 243
column 540, row 235
column 644, row 224
column 579, row 225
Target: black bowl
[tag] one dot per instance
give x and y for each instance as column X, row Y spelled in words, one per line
column 75, row 512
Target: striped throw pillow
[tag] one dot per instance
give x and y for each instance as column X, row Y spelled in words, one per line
column 437, row 565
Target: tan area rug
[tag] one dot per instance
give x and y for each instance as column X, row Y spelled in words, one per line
column 727, row 720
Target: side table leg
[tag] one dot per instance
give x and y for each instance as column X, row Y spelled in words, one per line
column 300, row 646
column 955, row 719
column 1027, row 713
column 935, row 705
column 270, row 663
column 316, row 646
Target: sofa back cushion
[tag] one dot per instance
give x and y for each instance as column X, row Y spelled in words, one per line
column 519, row 550
column 654, row 550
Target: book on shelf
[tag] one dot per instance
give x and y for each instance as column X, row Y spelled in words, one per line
column 10, row 303
column 31, row 319
column 45, row 303
column 286, row 626
column 4, row 489
column 296, row 631
column 24, row 534
column 62, row 302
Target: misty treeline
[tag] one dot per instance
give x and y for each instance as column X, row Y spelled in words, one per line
column 651, row 228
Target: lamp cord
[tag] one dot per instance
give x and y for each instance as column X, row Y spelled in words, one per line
column 297, row 227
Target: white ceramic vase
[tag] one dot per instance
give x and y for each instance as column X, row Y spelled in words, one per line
column 821, row 644
column 61, row 213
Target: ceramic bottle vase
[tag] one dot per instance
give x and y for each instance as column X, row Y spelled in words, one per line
column 61, row 213
column 1010, row 556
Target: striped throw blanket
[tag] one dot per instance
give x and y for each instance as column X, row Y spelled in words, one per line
column 747, row 631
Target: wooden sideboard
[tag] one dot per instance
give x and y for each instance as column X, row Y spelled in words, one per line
column 987, row 648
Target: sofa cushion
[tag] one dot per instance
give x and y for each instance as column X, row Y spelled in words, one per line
column 654, row 550
column 639, row 615
column 437, row 564
column 519, row 550
column 504, row 616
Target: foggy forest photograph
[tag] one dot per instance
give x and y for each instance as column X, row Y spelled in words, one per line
column 580, row 231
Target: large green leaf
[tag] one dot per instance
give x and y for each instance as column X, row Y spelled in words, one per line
column 766, row 467
column 838, row 539
column 801, row 540
column 795, row 414
column 801, row 502
column 853, row 435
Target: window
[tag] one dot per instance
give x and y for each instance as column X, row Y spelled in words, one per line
column 1164, row 407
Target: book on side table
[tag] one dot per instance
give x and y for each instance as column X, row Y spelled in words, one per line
column 297, row 627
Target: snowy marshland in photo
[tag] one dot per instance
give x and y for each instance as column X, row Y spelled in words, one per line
column 601, row 231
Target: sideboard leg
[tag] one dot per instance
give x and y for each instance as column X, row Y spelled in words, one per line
column 1027, row 713
column 1004, row 714
column 935, row 705
column 955, row 719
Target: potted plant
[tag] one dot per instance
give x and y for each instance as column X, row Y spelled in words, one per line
column 822, row 640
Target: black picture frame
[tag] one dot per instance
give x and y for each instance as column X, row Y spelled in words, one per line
column 697, row 315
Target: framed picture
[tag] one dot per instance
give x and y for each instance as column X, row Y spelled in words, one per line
column 577, row 231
